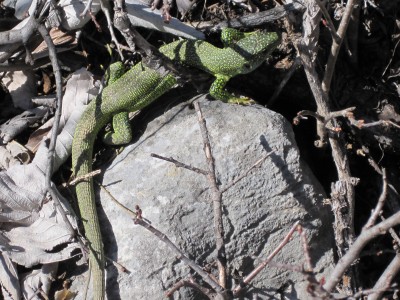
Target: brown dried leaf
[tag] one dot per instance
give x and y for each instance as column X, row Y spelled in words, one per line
column 65, row 294
column 59, row 38
column 46, row 83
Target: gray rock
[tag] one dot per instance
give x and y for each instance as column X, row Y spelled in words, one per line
column 258, row 211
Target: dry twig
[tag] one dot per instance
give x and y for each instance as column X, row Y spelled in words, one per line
column 216, row 198
column 192, row 284
column 179, row 164
column 379, row 206
column 384, row 281
column 236, row 290
column 307, row 52
column 139, row 220
column 354, row 251
column 52, row 190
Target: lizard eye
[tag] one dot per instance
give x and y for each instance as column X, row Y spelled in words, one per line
column 247, row 66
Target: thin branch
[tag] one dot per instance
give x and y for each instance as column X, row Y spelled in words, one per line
column 105, row 7
column 137, row 216
column 84, row 177
column 314, row 287
column 284, row 81
column 257, row 164
column 329, row 22
column 380, row 122
column 303, row 114
column 306, row 249
column 216, row 198
column 368, row 292
column 179, row 164
column 192, row 284
column 51, row 151
column 57, row 74
column 386, row 278
column 391, row 58
column 379, row 206
column 325, row 120
column 336, row 44
column 236, row 290
column 355, row 249
column 87, row 8
column 393, row 234
column 119, row 266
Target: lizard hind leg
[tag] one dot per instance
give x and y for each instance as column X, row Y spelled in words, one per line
column 122, row 131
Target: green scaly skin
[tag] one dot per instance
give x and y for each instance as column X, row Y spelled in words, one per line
column 243, row 52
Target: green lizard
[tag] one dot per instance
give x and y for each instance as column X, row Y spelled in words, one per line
column 243, row 52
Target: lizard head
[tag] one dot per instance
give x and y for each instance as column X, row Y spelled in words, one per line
column 251, row 51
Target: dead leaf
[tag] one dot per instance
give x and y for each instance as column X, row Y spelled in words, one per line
column 22, row 87
column 8, row 276
column 66, row 293
column 38, row 281
column 81, row 87
column 46, row 83
column 60, row 38
column 18, row 124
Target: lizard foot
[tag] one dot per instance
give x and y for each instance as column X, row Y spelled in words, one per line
column 242, row 101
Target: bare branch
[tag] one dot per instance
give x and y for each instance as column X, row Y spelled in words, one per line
column 216, row 198
column 284, row 81
column 84, row 177
column 306, row 249
column 379, row 206
column 380, row 122
column 329, row 22
column 192, row 284
column 236, row 290
column 330, row 66
column 179, row 164
column 386, row 278
column 257, row 164
column 105, row 7
column 139, row 220
column 51, row 152
column 22, row 35
column 354, row 251
column 307, row 51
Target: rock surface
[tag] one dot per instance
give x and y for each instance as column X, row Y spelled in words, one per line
column 258, row 211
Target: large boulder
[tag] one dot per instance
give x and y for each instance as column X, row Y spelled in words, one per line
column 257, row 212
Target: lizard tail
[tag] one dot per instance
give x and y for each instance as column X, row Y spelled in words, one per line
column 82, row 149
column 92, row 229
